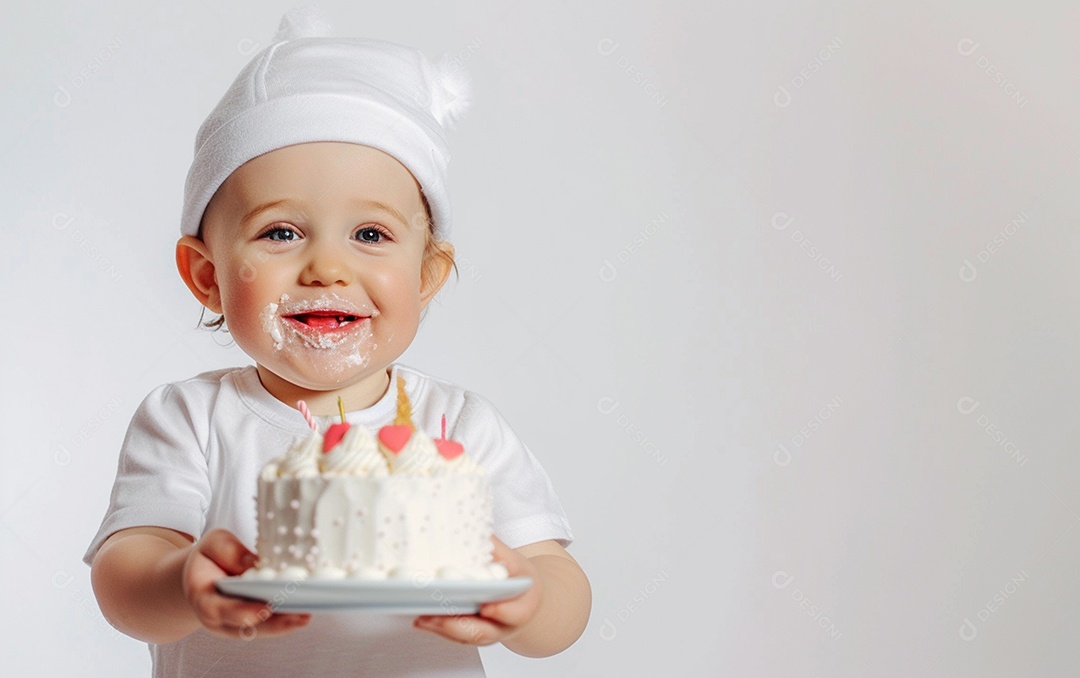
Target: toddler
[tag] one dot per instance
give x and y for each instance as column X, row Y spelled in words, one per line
column 315, row 222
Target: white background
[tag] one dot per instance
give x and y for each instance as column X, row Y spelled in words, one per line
column 712, row 270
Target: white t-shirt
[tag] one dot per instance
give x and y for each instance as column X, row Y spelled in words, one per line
column 190, row 461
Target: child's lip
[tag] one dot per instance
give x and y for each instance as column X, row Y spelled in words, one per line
column 325, row 320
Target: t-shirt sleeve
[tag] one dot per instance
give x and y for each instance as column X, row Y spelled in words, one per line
column 525, row 507
column 161, row 478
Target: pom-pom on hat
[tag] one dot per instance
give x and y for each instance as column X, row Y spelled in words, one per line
column 308, row 87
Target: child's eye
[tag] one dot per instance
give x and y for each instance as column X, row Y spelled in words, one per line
column 371, row 234
column 279, row 234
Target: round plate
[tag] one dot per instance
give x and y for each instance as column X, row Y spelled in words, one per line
column 386, row 596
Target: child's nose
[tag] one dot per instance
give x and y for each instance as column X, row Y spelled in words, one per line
column 326, row 266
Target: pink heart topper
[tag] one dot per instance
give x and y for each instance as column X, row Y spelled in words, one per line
column 333, row 436
column 449, row 449
column 393, row 437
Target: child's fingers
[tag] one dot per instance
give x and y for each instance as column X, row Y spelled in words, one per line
column 501, row 553
column 470, row 630
column 261, row 625
column 514, row 612
column 277, row 625
column 217, row 610
column 227, row 552
column 243, row 618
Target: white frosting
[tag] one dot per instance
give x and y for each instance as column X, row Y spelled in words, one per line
column 417, row 457
column 301, row 461
column 461, row 464
column 271, row 324
column 350, row 514
column 357, row 454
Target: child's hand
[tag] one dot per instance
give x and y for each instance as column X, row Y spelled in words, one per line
column 498, row 621
column 220, row 554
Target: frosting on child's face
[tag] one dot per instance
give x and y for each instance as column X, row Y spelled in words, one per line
column 317, row 252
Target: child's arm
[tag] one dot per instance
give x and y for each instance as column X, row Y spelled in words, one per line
column 543, row 621
column 154, row 584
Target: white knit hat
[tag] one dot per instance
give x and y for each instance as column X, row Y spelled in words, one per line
column 309, row 87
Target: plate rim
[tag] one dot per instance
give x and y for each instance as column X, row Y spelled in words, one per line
column 264, row 590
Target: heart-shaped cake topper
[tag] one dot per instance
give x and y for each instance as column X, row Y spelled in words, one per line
column 336, row 432
column 448, row 449
column 394, row 437
column 333, row 436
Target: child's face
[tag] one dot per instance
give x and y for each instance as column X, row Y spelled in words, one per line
column 317, row 252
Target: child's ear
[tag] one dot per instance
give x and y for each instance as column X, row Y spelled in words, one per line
column 438, row 260
column 197, row 269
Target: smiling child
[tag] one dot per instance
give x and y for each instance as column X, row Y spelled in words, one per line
column 315, row 222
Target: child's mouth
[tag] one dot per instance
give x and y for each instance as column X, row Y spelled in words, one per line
column 322, row 321
column 326, row 322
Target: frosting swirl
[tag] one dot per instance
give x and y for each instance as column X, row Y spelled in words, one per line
column 417, row 457
column 302, row 459
column 357, row 454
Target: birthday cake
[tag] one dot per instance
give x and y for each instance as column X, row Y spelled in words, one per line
column 398, row 505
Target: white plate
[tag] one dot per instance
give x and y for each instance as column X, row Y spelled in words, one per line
column 387, row 596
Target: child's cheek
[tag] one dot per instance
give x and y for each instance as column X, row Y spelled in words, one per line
column 243, row 299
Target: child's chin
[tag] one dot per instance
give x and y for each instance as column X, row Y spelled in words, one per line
column 324, row 373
